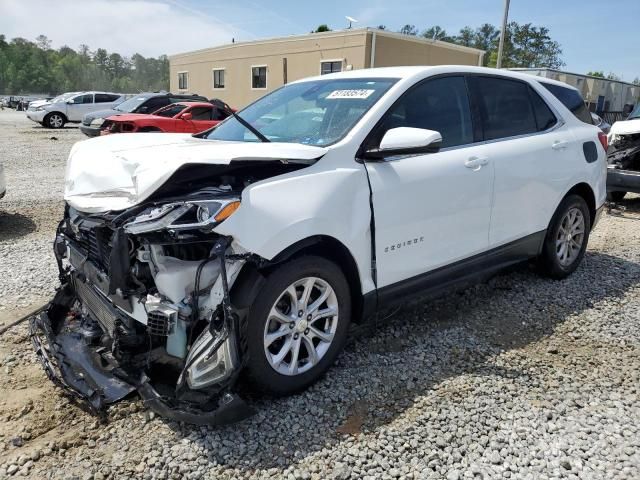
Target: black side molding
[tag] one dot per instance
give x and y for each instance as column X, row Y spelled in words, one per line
column 463, row 273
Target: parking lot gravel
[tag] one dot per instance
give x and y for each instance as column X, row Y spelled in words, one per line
column 521, row 377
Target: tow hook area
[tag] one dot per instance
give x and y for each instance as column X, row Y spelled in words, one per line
column 92, row 377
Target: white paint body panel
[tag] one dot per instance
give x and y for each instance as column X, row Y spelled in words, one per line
column 430, row 211
column 459, row 211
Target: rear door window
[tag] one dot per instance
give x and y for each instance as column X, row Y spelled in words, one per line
column 106, row 97
column 545, row 119
column 571, row 99
column 505, row 107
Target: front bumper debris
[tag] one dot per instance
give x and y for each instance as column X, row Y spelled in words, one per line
column 92, row 378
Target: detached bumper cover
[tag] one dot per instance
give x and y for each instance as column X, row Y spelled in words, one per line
column 82, row 372
column 623, row 180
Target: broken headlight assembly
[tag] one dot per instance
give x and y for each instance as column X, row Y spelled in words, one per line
column 197, row 214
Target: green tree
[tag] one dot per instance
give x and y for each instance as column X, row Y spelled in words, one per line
column 34, row 67
column 599, row 74
column 322, row 28
column 436, row 33
column 409, row 30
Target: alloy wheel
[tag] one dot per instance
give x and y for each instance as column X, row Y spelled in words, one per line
column 570, row 236
column 55, row 121
column 301, row 326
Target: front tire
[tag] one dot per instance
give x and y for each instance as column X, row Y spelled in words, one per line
column 54, row 120
column 297, row 325
column 566, row 239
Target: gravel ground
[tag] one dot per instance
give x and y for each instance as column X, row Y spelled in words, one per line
column 521, row 377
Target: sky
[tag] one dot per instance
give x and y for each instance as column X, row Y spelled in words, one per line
column 594, row 34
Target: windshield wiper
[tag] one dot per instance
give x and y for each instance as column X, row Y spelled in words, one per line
column 242, row 121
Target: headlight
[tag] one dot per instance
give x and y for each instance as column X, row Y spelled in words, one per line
column 40, row 108
column 201, row 214
column 97, row 122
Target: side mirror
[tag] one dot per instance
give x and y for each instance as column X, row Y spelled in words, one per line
column 406, row 141
column 143, row 110
column 186, row 116
column 71, row 102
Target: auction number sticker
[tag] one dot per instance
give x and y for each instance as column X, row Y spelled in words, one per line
column 358, row 94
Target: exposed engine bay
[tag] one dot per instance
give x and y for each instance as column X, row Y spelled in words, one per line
column 144, row 302
column 623, row 157
column 624, row 152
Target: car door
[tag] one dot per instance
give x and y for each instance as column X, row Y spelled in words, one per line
column 531, row 153
column 430, row 210
column 78, row 106
column 201, row 119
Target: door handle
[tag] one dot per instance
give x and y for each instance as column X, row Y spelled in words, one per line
column 476, row 163
column 560, row 145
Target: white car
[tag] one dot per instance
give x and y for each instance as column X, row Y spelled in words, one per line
column 186, row 260
column 71, row 107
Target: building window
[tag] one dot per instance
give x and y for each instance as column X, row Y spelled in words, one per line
column 183, row 80
column 218, row 78
column 330, row 67
column 259, row 77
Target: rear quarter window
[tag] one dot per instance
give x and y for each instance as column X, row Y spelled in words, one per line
column 571, row 99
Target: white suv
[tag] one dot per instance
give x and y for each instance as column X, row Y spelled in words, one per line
column 71, row 107
column 252, row 247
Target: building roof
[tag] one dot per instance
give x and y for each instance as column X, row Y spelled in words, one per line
column 546, row 69
column 335, row 33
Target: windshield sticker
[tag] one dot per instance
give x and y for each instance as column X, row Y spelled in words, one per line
column 357, row 94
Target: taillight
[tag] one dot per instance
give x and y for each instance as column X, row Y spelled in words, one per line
column 603, row 140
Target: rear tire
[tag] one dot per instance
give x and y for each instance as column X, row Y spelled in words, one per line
column 292, row 343
column 566, row 239
column 615, row 196
column 54, row 120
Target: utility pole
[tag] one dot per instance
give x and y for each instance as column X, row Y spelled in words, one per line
column 503, row 33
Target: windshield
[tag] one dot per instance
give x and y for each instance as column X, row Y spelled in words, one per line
column 131, row 104
column 170, row 110
column 635, row 113
column 319, row 112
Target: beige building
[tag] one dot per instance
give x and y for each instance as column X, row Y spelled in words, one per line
column 242, row 72
column 601, row 94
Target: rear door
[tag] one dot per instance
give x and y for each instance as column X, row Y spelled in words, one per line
column 431, row 210
column 532, row 153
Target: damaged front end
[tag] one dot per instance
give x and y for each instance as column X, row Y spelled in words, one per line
column 144, row 306
column 623, row 157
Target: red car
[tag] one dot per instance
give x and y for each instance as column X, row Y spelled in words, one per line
column 183, row 117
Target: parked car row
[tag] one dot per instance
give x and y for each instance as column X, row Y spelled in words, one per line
column 143, row 103
column 188, row 262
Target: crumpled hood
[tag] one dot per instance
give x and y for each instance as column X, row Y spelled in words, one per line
column 115, row 172
column 625, row 127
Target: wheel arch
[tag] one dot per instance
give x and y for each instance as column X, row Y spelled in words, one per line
column 586, row 192
column 66, row 119
column 249, row 279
